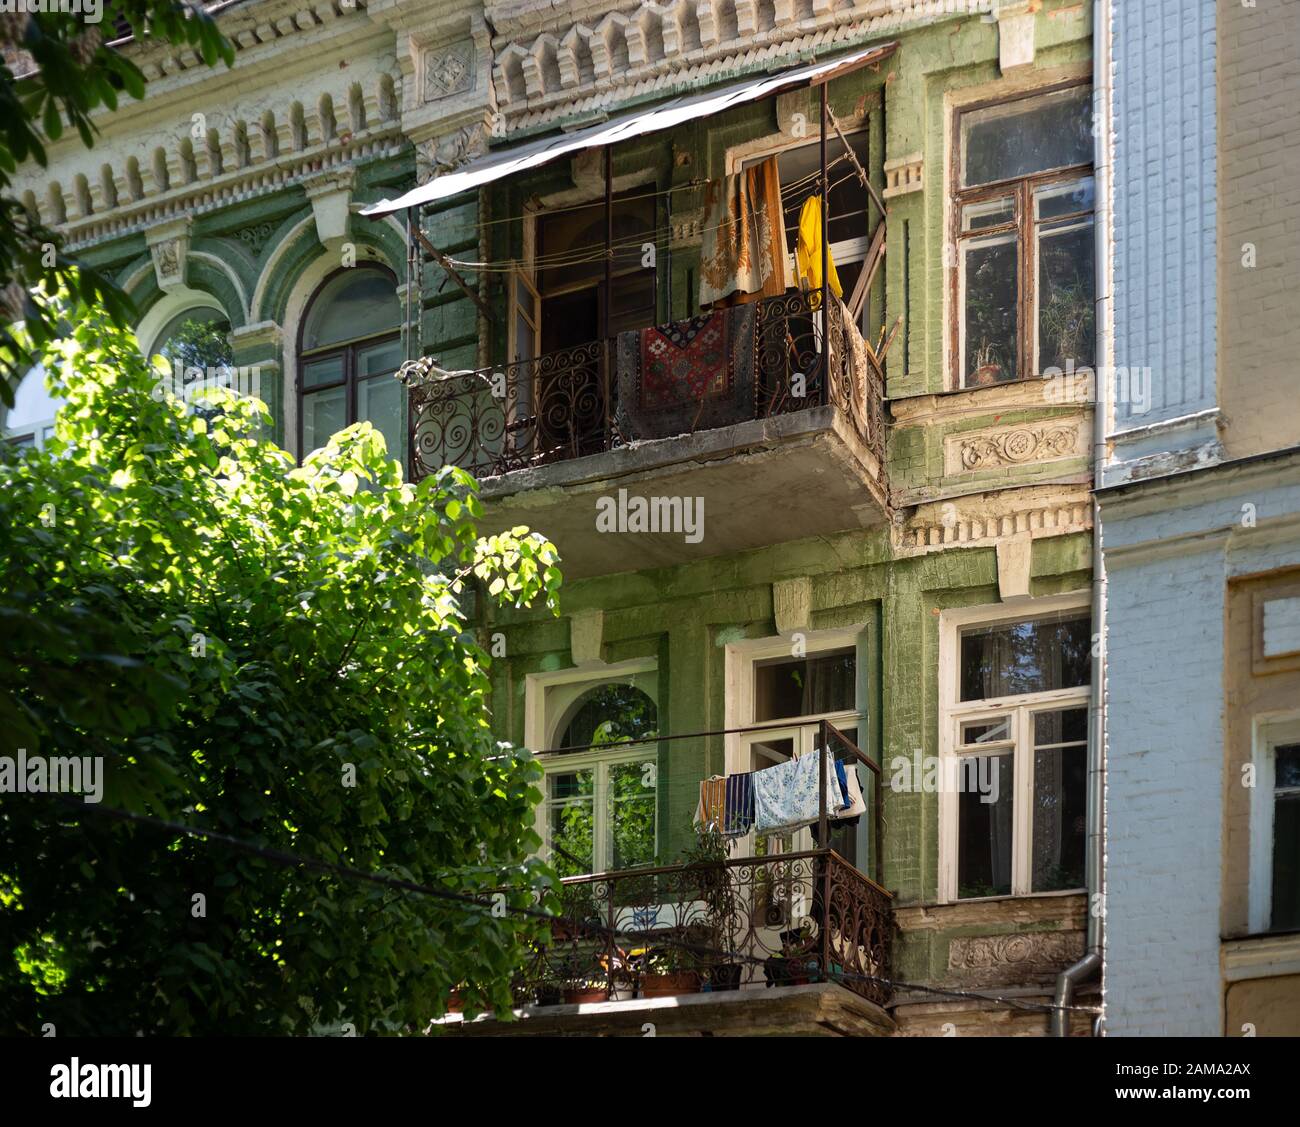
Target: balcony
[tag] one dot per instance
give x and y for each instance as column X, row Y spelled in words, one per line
column 755, row 413
column 795, row 941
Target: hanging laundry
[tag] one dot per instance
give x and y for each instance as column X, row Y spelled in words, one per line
column 853, row 791
column 743, row 250
column 808, row 253
column 842, row 776
column 786, row 796
column 711, row 811
column 739, row 803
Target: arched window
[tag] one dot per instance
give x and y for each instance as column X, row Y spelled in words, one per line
column 196, row 343
column 348, row 351
column 600, row 809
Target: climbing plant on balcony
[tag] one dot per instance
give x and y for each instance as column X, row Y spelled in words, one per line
column 282, row 654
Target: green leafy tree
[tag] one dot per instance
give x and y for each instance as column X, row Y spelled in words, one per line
column 56, row 72
column 279, row 653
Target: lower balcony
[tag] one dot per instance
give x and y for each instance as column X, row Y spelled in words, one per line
column 786, row 937
column 795, row 943
column 710, row 433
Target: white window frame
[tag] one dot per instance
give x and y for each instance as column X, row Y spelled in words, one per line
column 547, row 700
column 1269, row 731
column 1021, row 708
column 600, row 762
column 742, row 658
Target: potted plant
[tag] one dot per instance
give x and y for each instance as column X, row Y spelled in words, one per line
column 668, row 970
column 987, row 369
column 792, row 967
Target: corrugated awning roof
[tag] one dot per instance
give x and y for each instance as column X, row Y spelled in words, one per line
column 672, row 113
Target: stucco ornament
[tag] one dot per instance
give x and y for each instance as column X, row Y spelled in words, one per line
column 448, row 71
column 1013, row 447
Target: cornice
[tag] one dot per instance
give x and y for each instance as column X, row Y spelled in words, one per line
column 555, row 61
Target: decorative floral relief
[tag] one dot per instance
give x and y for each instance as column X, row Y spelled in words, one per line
column 1046, row 949
column 1013, row 447
column 255, row 236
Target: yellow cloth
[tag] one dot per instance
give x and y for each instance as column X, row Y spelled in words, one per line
column 808, row 252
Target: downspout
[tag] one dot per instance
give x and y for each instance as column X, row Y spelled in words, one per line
column 1092, row 961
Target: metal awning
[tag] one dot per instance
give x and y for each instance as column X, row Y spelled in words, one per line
column 668, row 115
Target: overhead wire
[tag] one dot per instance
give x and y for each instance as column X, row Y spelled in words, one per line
column 495, row 909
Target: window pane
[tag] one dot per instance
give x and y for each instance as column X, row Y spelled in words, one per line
column 1025, row 657
column 1060, row 799
column 610, row 714
column 1286, row 863
column 805, row 686
column 1286, row 771
column 356, row 303
column 984, row 826
column 319, row 372
column 197, row 338
column 570, row 826
column 989, row 283
column 1064, row 199
column 988, row 213
column 1066, row 313
column 1027, row 136
column 380, row 401
column 632, row 814
column 985, row 731
column 322, row 416
column 379, row 359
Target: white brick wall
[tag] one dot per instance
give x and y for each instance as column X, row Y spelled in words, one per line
column 1164, row 779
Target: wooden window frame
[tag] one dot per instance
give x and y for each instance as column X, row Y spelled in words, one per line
column 1020, row 708
column 1021, row 189
column 346, row 349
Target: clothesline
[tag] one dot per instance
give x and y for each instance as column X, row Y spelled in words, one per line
column 596, row 252
column 782, row 798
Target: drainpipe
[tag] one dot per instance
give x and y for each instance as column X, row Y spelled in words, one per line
column 1092, row 961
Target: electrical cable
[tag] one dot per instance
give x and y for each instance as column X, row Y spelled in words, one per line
column 287, row 859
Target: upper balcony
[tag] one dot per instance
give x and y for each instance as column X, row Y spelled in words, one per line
column 760, row 418
column 757, row 412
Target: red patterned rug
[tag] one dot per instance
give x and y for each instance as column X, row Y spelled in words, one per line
column 684, row 361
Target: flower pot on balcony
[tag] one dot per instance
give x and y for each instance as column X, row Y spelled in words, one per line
column 455, row 1003
column 549, row 994
column 579, row 995
column 726, row 977
column 666, row 985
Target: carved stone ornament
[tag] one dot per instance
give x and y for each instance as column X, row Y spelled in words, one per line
column 448, row 70
column 1024, row 444
column 1026, row 950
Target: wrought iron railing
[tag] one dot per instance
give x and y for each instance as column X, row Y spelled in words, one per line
column 786, row 918
column 770, row 358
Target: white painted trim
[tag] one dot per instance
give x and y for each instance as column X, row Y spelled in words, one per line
column 542, row 719
column 172, row 304
column 1268, row 730
column 539, row 729
column 1021, row 707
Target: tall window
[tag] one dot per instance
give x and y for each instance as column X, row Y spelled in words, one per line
column 1013, row 783
column 571, row 271
column 1023, row 219
column 350, row 347
column 600, row 803
column 1275, row 832
column 847, row 204
column 789, row 695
